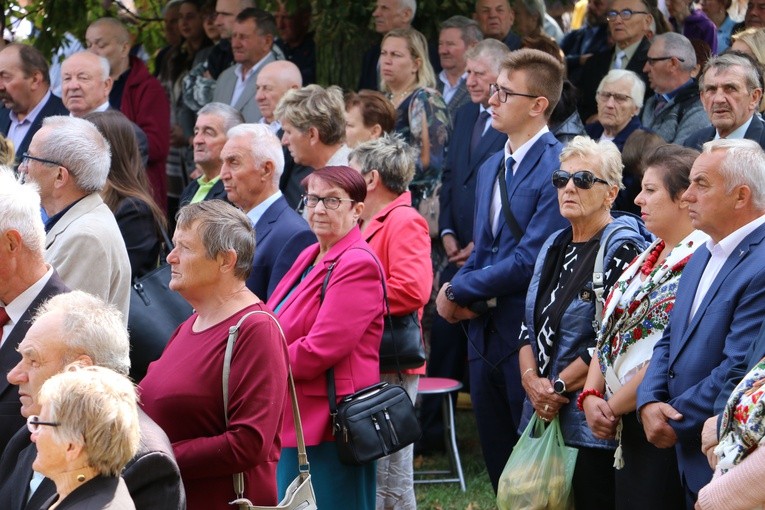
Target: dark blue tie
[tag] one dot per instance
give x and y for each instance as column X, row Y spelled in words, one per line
column 478, row 129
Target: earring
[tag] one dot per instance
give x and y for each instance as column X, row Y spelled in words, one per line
column 80, row 478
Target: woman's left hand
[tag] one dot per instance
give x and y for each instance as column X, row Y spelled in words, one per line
column 543, row 398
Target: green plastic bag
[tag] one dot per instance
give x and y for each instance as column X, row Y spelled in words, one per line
column 538, row 473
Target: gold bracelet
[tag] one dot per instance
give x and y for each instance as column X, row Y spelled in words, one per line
column 526, row 372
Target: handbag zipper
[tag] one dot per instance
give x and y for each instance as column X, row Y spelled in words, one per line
column 393, row 435
column 379, row 435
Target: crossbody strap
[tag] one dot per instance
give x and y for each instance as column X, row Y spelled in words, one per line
column 598, row 279
column 512, row 223
column 233, row 334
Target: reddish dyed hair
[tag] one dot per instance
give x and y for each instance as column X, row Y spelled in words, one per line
column 344, row 177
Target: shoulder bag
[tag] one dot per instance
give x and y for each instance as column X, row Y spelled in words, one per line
column 299, row 495
column 155, row 313
column 373, row 422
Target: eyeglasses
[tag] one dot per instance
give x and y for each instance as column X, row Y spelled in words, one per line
column 33, row 423
column 583, row 179
column 603, row 97
column 26, row 157
column 503, row 94
column 330, row 203
column 625, row 14
column 652, row 60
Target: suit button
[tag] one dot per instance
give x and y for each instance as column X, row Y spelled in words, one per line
column 495, row 249
column 671, row 374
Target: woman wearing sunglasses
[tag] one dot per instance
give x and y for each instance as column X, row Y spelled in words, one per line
column 634, row 318
column 558, row 337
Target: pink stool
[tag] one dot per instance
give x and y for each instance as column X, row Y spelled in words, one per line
column 444, row 387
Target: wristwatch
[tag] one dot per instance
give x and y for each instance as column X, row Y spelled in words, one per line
column 559, row 386
column 449, row 293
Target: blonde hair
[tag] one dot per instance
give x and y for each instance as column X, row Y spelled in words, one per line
column 418, row 48
column 96, row 408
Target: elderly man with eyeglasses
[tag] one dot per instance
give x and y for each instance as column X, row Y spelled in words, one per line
column 69, row 160
column 675, row 111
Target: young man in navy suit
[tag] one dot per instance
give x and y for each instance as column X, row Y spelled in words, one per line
column 490, row 289
column 718, row 310
column 448, row 342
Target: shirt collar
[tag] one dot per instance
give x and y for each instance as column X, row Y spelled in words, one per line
column 732, row 240
column 738, row 133
column 521, row 151
column 32, row 115
column 257, row 212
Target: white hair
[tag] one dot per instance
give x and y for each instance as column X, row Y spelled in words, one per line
column 604, row 151
column 20, row 211
column 80, row 148
column 102, row 62
column 743, row 164
column 92, row 327
column 637, row 90
column 264, row 145
column 411, row 5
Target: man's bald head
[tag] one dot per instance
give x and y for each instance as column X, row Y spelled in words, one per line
column 273, row 81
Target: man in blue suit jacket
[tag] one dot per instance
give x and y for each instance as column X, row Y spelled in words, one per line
column 718, row 310
column 490, row 289
column 25, row 95
column 448, row 342
column 253, row 162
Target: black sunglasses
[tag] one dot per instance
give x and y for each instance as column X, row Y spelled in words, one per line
column 583, row 179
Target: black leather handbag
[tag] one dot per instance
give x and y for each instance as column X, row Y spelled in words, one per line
column 155, row 313
column 371, row 423
column 401, row 345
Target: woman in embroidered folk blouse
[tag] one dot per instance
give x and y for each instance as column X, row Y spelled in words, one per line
column 737, row 483
column 634, row 318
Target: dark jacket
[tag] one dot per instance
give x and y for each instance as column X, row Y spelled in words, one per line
column 54, row 106
column 756, row 132
column 217, row 192
column 152, row 475
column 575, row 330
column 595, row 131
column 100, row 493
column 679, row 118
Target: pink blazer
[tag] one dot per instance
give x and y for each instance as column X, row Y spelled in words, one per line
column 342, row 332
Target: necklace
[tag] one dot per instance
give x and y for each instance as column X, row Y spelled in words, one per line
column 650, row 261
column 398, row 96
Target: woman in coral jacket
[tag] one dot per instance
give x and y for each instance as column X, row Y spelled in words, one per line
column 333, row 321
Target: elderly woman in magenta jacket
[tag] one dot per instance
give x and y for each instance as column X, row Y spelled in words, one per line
column 342, row 332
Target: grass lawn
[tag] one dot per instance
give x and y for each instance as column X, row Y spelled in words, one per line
column 448, row 496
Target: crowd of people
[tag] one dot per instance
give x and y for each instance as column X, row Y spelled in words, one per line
column 569, row 205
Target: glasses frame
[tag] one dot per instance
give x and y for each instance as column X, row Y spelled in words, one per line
column 34, row 423
column 496, row 89
column 624, row 14
column 610, row 95
column 305, row 199
column 652, row 60
column 583, row 179
column 25, row 157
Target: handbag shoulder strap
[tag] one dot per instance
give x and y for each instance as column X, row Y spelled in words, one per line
column 233, row 333
column 598, row 279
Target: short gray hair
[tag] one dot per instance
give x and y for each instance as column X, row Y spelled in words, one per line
column 315, row 106
column 222, row 228
column 264, row 145
column 391, row 156
column 726, row 61
column 92, row 327
column 637, row 90
column 79, row 147
column 231, row 116
column 678, row 46
column 744, row 164
column 603, row 151
column 471, row 32
column 495, row 52
column 20, row 211
column 102, row 62
column 411, row 5
column 97, row 409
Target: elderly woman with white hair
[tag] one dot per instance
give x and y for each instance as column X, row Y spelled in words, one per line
column 86, row 433
column 557, row 336
column 619, row 98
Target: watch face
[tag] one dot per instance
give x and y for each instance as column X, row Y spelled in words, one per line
column 559, row 386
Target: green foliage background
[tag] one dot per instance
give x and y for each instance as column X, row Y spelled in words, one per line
column 342, row 28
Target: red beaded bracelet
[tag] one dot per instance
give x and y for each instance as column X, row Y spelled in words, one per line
column 583, row 395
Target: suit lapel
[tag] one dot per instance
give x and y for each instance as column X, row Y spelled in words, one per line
column 266, row 222
column 740, row 253
column 248, row 94
column 529, row 163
